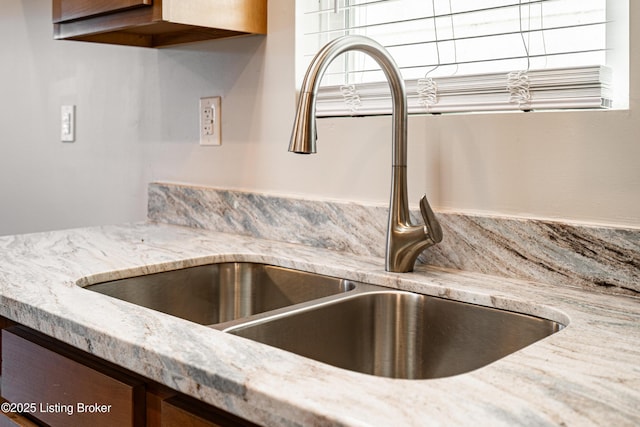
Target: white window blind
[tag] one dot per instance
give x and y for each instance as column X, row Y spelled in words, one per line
column 464, row 55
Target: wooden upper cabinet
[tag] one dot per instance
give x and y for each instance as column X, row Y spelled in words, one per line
column 157, row 23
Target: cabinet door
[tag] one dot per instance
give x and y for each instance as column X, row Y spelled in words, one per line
column 67, row 389
column 68, row 10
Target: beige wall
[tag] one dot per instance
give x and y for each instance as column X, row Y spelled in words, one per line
column 137, row 122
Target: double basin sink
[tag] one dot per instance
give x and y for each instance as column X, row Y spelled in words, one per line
column 351, row 325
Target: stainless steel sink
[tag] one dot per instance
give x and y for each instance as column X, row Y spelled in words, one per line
column 399, row 334
column 351, row 325
column 216, row 293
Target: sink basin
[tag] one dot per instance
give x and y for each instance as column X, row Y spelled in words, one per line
column 217, row 293
column 399, row 334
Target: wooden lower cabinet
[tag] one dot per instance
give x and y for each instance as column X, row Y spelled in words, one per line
column 62, row 387
column 46, row 382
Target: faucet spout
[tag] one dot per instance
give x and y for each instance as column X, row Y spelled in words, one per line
column 405, row 241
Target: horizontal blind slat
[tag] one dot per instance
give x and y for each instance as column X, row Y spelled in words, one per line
column 482, row 9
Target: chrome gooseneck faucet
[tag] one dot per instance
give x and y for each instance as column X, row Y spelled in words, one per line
column 405, row 241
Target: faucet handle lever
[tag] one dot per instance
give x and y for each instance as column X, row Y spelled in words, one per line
column 434, row 230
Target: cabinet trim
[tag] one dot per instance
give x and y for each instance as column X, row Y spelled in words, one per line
column 69, row 10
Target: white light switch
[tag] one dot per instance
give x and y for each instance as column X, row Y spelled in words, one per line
column 68, row 123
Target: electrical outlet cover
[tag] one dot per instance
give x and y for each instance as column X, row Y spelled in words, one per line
column 210, row 120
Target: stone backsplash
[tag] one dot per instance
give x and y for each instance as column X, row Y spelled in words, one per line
column 603, row 259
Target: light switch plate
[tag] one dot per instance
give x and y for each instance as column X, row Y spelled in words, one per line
column 210, row 120
column 68, row 123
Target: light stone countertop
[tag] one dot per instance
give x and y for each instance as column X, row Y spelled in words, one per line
column 586, row 374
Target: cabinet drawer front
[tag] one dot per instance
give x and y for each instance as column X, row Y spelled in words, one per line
column 63, row 391
column 68, row 10
column 181, row 411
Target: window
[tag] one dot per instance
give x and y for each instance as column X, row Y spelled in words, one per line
column 465, row 55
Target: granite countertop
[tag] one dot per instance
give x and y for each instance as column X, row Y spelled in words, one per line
column 586, row 374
